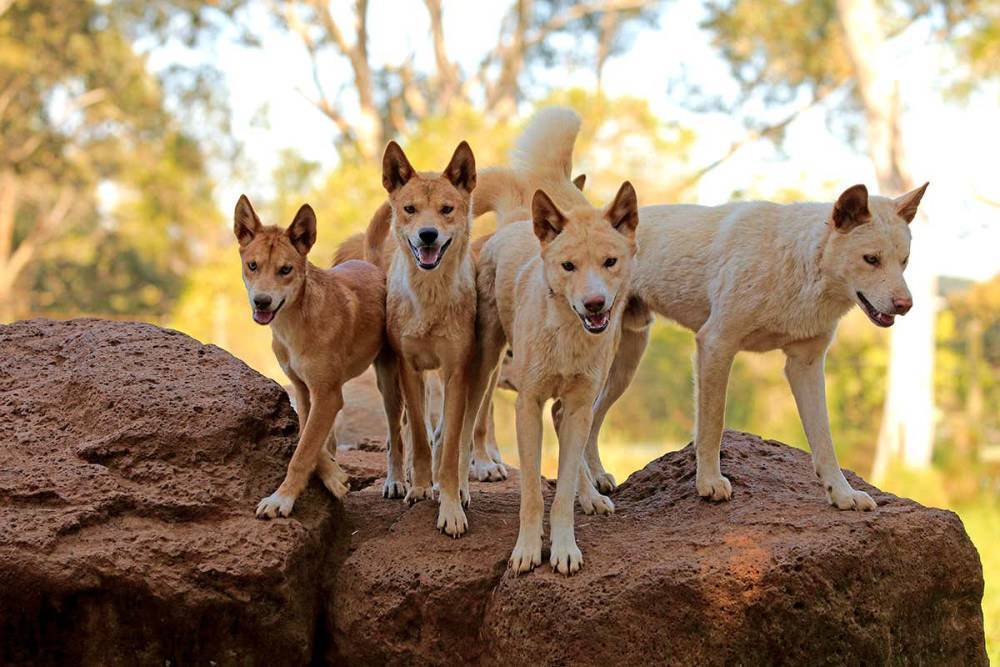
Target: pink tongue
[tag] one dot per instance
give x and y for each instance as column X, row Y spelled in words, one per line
column 428, row 255
column 263, row 316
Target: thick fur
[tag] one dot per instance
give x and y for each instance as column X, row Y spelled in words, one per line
column 554, row 289
column 422, row 236
column 759, row 276
column 311, row 312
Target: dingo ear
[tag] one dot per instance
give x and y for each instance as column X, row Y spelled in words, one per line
column 396, row 169
column 579, row 181
column 623, row 212
column 906, row 206
column 461, row 171
column 246, row 224
column 851, row 209
column 546, row 216
column 302, row 231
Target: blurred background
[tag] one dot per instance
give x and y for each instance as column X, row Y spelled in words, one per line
column 128, row 129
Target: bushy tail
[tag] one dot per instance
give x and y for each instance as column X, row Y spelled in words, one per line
column 545, row 147
column 542, row 157
column 376, row 234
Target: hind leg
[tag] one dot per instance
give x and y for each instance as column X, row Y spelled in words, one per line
column 485, row 465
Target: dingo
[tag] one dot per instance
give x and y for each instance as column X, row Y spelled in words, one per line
column 430, row 318
column 312, row 312
column 560, row 310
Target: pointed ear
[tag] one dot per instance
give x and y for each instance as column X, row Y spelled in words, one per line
column 623, row 212
column 547, row 218
column 302, row 231
column 396, row 169
column 579, row 181
column 906, row 206
column 461, row 171
column 246, row 224
column 851, row 209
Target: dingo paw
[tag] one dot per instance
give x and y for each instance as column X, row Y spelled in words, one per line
column 418, row 493
column 715, row 488
column 451, row 519
column 566, row 557
column 275, row 505
column 464, row 496
column 333, row 478
column 487, row 471
column 605, row 482
column 596, row 503
column 850, row 499
column 393, row 489
column 527, row 554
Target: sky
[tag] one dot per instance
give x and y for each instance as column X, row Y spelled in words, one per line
column 956, row 151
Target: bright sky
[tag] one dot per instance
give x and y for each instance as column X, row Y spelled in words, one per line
column 957, row 147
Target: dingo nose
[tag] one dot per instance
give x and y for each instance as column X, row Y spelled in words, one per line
column 594, row 304
column 428, row 235
column 262, row 301
column 902, row 304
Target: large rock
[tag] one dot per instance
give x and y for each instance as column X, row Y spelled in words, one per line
column 131, row 459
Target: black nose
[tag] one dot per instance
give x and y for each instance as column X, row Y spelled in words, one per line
column 263, row 301
column 594, row 304
column 428, row 235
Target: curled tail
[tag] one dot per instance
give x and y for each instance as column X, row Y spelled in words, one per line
column 542, row 158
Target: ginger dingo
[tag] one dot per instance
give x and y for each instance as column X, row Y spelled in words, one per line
column 311, row 312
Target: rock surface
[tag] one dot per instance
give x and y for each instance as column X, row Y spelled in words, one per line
column 131, row 459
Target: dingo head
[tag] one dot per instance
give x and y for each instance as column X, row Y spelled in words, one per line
column 587, row 253
column 869, row 248
column 274, row 260
column 430, row 212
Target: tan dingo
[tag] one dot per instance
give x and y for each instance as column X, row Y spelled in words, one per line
column 312, row 312
column 559, row 307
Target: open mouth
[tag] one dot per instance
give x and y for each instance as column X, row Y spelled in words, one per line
column 265, row 316
column 595, row 323
column 874, row 314
column 429, row 256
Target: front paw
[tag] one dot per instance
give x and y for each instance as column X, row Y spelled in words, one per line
column 846, row 498
column 418, row 493
column 451, row 519
column 392, row 489
column 605, row 482
column 527, row 554
column 566, row 557
column 275, row 505
column 487, row 471
column 595, row 503
column 714, row 487
column 333, row 478
column 464, row 496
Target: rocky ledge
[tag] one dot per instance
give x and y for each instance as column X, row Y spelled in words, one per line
column 131, row 459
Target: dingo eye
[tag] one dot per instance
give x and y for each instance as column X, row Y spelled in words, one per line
column 285, row 270
column 410, row 209
column 872, row 259
column 445, row 210
column 610, row 261
column 252, row 266
column 568, row 266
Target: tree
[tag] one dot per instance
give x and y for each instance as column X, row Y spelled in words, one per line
column 840, row 54
column 392, row 99
column 98, row 182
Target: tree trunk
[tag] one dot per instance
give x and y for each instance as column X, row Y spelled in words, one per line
column 907, row 432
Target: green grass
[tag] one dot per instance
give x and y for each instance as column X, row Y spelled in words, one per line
column 982, row 522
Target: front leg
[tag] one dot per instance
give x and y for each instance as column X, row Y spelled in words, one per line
column 566, row 557
column 804, row 369
column 451, row 517
column 527, row 554
column 486, row 465
column 412, row 382
column 713, row 363
column 326, row 403
column 387, row 373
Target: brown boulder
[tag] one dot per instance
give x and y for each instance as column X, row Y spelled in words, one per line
column 132, row 458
